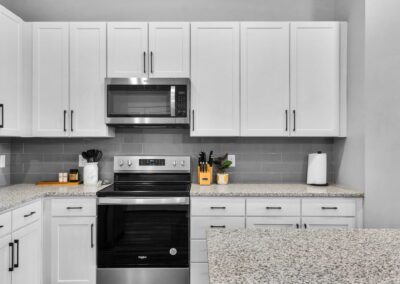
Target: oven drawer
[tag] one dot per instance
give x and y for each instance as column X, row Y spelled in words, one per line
column 26, row 215
column 5, row 224
column 273, row 207
column 78, row 207
column 329, row 207
column 200, row 225
column 218, row 206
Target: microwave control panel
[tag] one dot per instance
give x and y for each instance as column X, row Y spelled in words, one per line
column 181, row 101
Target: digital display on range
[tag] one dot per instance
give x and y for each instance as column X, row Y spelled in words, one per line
column 152, row 162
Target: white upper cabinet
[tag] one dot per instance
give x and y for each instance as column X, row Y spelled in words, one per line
column 265, row 78
column 127, row 52
column 10, row 73
column 50, row 79
column 315, row 78
column 215, row 79
column 169, row 48
column 87, row 79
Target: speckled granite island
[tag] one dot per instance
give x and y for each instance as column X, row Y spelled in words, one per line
column 300, row 256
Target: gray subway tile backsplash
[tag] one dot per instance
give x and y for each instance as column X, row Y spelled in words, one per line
column 271, row 160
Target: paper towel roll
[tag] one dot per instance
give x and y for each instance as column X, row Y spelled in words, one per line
column 317, row 169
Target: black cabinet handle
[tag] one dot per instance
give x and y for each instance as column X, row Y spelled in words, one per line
column 16, row 242
column 1, row 226
column 329, row 208
column 151, row 62
column 2, row 116
column 273, row 208
column 305, row 226
column 74, row 208
column 144, row 62
column 297, row 226
column 193, row 120
column 217, row 207
column 29, row 215
column 72, row 119
column 294, row 120
column 91, row 235
column 11, row 247
column 65, row 121
column 221, row 227
column 286, row 120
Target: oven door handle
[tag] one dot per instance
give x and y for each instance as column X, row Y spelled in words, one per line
column 144, row 201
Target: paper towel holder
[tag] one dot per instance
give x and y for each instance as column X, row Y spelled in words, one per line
column 317, row 169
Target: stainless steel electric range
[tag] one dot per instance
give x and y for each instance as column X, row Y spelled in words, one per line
column 143, row 222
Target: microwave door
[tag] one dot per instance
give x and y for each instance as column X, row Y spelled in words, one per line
column 172, row 100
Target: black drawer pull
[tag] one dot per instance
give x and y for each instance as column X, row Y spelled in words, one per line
column 1, row 226
column 273, row 208
column 91, row 236
column 16, row 242
column 11, row 267
column 218, row 207
column 75, row 208
column 297, row 226
column 329, row 208
column 29, row 215
column 221, row 227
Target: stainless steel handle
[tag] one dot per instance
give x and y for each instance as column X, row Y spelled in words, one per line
column 217, row 207
column 172, row 100
column 29, row 215
column 215, row 226
column 294, row 120
column 72, row 118
column 16, row 242
column 2, row 116
column 193, row 120
column 11, row 247
column 91, row 236
column 65, row 121
column 286, row 120
column 75, row 208
column 329, row 208
column 144, row 62
column 273, row 208
column 145, row 201
column 151, row 62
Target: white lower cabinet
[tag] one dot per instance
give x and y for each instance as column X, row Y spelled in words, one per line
column 272, row 222
column 5, row 259
column 73, row 251
column 199, row 273
column 329, row 222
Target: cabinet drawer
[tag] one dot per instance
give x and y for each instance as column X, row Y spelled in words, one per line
column 199, row 273
column 218, row 206
column 198, row 251
column 329, row 207
column 200, row 225
column 26, row 215
column 273, row 207
column 273, row 222
column 329, row 222
column 73, row 207
column 5, row 224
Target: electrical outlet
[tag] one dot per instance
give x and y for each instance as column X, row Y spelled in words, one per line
column 82, row 161
column 232, row 158
column 2, row 161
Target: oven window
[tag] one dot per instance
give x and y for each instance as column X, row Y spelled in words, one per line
column 143, row 236
column 138, row 101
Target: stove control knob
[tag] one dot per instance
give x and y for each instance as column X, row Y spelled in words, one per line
column 129, row 163
column 121, row 163
column 182, row 163
column 174, row 164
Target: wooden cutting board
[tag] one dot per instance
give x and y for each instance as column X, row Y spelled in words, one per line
column 56, row 183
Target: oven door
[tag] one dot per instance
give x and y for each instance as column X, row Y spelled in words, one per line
column 143, row 232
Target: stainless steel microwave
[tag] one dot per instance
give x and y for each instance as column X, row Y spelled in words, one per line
column 143, row 101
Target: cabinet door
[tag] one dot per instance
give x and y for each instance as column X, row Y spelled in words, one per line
column 169, row 49
column 199, row 273
column 127, row 54
column 215, row 79
column 50, row 79
column 5, row 259
column 273, row 222
column 315, row 78
column 73, row 252
column 265, row 79
column 10, row 72
column 88, row 73
column 28, row 254
column 328, row 222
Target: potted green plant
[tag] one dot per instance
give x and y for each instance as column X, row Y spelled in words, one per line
column 222, row 164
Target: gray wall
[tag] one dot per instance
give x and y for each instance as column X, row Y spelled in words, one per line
column 258, row 159
column 350, row 152
column 172, row 10
column 382, row 133
column 5, row 149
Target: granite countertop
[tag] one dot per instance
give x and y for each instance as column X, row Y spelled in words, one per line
column 15, row 195
column 304, row 256
column 273, row 190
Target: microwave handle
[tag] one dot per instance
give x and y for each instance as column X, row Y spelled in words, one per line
column 1, row 116
column 173, row 101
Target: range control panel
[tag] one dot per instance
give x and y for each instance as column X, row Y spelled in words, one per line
column 151, row 164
